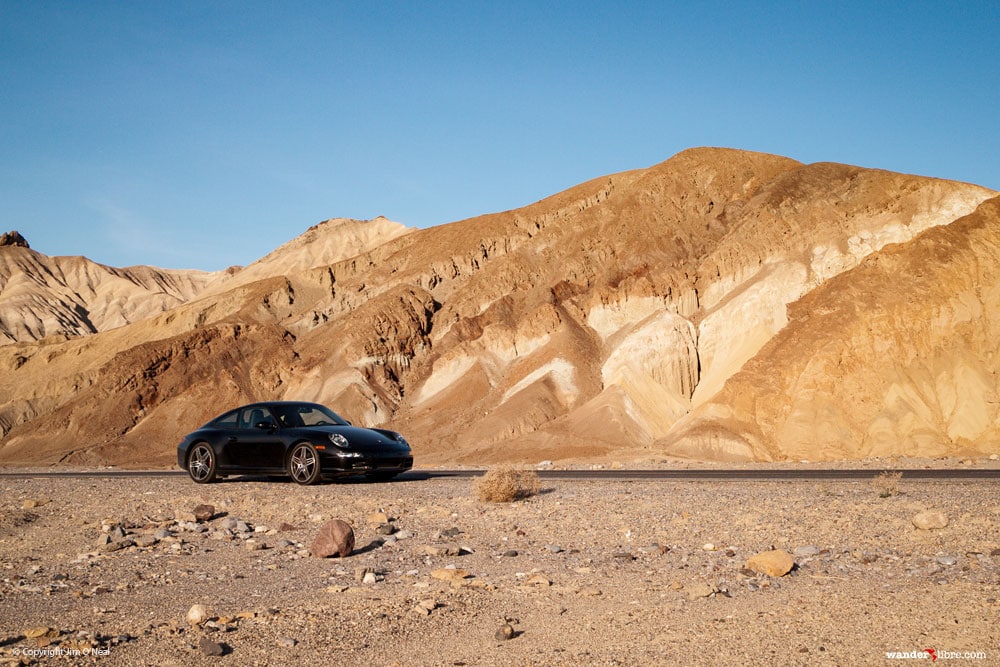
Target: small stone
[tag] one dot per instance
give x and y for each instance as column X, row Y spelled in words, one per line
column 624, row 555
column 335, row 538
column 32, row 503
column 708, row 546
column 699, row 589
column 287, row 642
column 39, row 632
column 229, row 523
column 404, row 535
column 590, row 592
column 451, row 532
column 369, row 578
column 806, row 551
column 946, row 560
column 438, row 550
column 111, row 547
column 377, row 519
column 505, row 633
column 450, row 574
column 203, row 512
column 197, row 614
column 538, row 580
column 774, row 563
column 254, row 545
column 510, row 553
column 554, row 548
column 385, row 529
column 146, row 540
column 930, row 520
column 425, row 607
column 163, row 534
column 865, row 558
column 286, row 527
column 208, row 647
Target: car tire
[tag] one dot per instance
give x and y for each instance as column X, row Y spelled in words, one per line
column 303, row 464
column 202, row 464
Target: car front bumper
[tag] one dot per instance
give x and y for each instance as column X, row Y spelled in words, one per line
column 337, row 466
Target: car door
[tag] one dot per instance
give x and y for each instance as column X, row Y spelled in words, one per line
column 256, row 444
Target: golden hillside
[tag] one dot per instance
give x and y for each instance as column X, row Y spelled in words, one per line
column 722, row 304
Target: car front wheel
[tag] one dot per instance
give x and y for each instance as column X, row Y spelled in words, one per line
column 303, row 464
column 201, row 463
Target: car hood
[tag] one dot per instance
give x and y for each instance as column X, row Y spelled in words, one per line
column 366, row 439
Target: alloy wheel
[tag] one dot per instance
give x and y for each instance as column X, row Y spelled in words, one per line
column 201, row 464
column 303, row 465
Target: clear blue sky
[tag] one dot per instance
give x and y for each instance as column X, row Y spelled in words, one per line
column 205, row 134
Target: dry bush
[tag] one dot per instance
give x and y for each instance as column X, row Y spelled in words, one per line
column 886, row 484
column 506, row 484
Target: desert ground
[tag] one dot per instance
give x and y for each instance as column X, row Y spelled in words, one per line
column 110, row 572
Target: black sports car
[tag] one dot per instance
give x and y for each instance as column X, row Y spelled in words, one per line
column 305, row 441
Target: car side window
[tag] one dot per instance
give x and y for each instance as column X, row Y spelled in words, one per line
column 250, row 417
column 227, row 420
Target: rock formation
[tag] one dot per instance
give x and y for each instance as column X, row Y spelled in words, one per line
column 13, row 238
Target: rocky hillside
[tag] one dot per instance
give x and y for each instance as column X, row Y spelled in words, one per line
column 722, row 304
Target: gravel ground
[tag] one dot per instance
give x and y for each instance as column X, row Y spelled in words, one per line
column 584, row 572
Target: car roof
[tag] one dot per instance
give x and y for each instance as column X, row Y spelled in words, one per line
column 270, row 403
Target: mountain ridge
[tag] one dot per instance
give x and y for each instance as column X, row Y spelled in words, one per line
column 603, row 321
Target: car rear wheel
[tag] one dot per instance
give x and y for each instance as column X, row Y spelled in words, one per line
column 201, row 463
column 303, row 464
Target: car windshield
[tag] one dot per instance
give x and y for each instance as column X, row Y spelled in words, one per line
column 307, row 414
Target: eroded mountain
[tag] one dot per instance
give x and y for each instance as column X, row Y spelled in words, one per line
column 722, row 304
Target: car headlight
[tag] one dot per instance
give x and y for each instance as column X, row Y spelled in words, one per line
column 339, row 441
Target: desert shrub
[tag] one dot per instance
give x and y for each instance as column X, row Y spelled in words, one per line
column 506, row 484
column 886, row 484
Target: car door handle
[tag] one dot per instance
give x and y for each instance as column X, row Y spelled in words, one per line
column 231, row 438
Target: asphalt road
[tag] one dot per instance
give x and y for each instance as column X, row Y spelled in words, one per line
column 690, row 475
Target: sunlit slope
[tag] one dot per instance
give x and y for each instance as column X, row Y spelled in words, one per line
column 899, row 356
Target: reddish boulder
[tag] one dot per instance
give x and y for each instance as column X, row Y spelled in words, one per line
column 203, row 513
column 335, row 538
